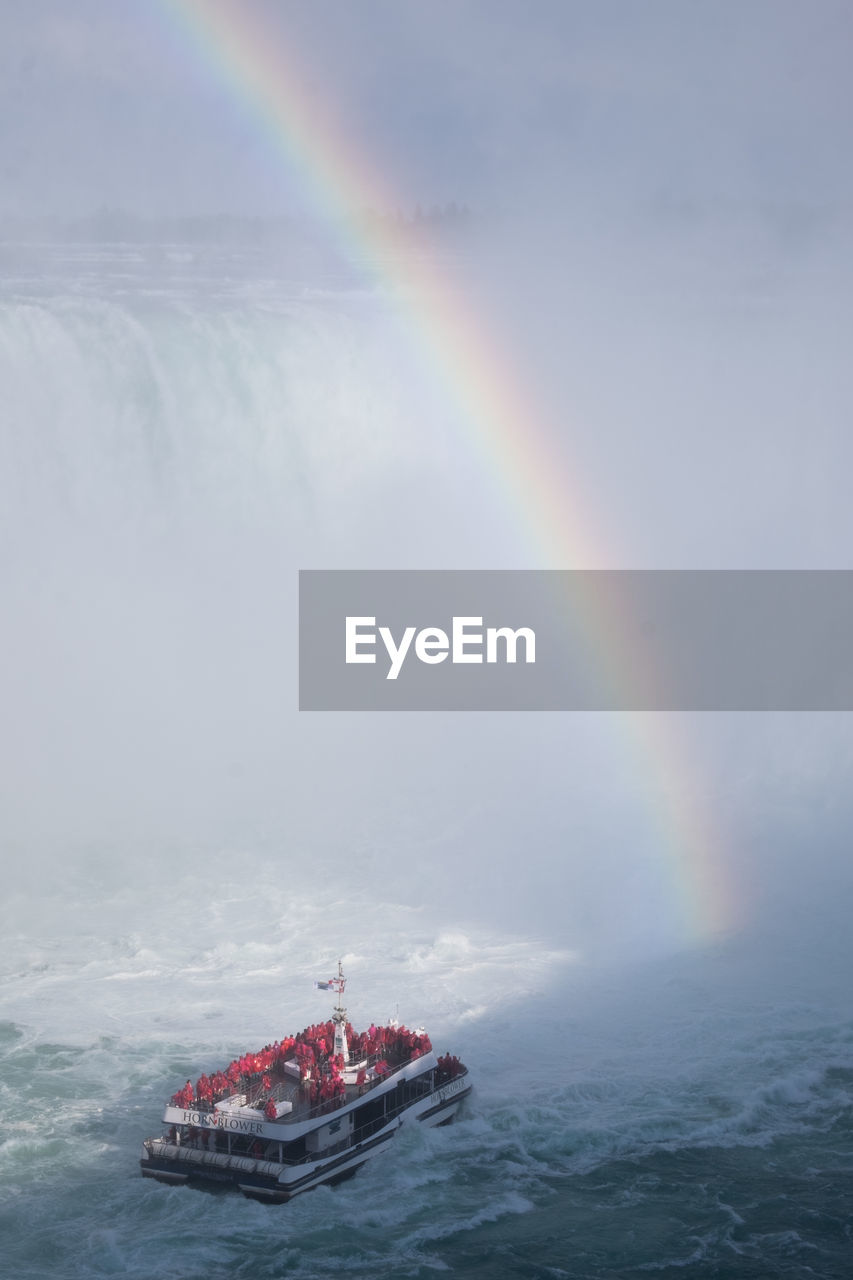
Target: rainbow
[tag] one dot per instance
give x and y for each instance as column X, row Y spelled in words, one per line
column 265, row 79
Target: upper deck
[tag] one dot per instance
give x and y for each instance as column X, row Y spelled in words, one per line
column 295, row 1082
column 287, row 1088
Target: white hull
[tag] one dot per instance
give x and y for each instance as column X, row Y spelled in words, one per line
column 276, row 1183
column 298, row 1113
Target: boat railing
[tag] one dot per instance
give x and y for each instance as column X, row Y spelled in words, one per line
column 192, row 1149
column 330, row 1105
column 370, row 1127
column 256, row 1094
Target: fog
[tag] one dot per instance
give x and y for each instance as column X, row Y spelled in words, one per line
column 577, row 107
column 658, row 260
column 459, row 285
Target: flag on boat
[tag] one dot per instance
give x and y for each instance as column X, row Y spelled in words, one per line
column 324, row 986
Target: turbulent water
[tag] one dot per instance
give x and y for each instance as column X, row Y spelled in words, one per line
column 666, row 1121
column 182, row 858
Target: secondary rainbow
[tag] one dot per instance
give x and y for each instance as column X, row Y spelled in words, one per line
column 264, row 78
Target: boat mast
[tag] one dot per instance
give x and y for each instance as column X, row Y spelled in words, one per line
column 339, row 1016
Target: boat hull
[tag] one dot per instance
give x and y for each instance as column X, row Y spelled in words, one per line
column 276, row 1183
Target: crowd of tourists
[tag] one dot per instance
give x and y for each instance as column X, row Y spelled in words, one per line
column 320, row 1069
column 448, row 1066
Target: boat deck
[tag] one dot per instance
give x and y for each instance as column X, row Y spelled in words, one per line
column 288, row 1088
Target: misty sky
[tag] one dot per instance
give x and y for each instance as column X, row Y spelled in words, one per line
column 498, row 105
column 170, row 458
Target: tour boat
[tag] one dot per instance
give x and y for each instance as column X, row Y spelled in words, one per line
column 306, row 1110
